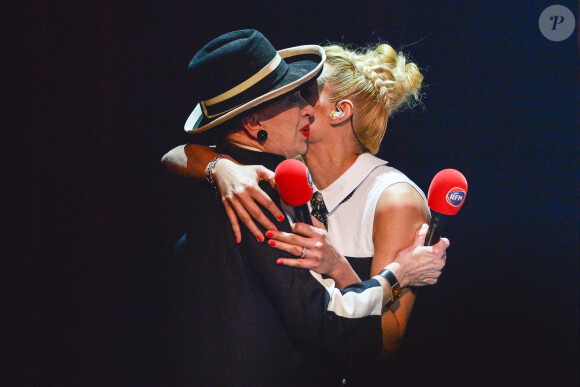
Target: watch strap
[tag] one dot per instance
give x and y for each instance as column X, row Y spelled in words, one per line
column 393, row 283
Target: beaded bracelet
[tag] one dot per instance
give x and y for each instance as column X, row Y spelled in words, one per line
column 209, row 170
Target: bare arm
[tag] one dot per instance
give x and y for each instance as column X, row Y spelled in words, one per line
column 399, row 214
column 189, row 160
column 237, row 184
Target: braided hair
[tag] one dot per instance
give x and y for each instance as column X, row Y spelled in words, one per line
column 379, row 81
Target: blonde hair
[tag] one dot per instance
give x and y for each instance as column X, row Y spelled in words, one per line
column 378, row 80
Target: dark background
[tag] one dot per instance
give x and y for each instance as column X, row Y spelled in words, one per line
column 101, row 95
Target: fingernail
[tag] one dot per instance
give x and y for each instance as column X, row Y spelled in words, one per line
column 281, row 218
column 237, row 240
column 272, row 243
column 279, row 262
column 269, row 234
column 260, row 238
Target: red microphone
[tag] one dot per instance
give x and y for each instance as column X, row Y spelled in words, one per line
column 295, row 187
column 446, row 196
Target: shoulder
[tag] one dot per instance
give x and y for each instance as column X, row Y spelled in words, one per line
column 386, row 189
column 399, row 213
column 400, row 203
column 401, row 190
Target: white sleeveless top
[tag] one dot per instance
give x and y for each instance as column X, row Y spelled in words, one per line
column 351, row 201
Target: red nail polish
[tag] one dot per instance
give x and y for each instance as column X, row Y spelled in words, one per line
column 237, row 240
column 269, row 234
column 281, row 218
column 272, row 243
column 279, row 262
column 260, row 238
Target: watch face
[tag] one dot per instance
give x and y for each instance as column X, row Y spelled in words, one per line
column 396, row 290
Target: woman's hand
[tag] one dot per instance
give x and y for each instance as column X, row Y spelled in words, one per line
column 314, row 246
column 239, row 190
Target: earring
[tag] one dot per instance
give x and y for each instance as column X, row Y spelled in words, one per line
column 262, row 135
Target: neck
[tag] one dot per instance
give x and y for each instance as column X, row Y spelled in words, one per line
column 243, row 141
column 328, row 161
column 248, row 147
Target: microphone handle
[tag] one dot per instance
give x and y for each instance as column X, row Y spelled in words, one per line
column 435, row 227
column 302, row 214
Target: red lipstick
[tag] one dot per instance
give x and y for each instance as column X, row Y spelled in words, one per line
column 305, row 130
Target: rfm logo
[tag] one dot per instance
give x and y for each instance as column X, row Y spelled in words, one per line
column 455, row 196
column 557, row 23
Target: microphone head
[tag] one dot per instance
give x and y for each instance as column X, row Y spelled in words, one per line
column 294, row 182
column 447, row 192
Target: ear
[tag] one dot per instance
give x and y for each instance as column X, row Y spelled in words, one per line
column 251, row 125
column 347, row 109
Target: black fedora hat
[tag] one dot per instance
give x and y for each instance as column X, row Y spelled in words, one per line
column 241, row 70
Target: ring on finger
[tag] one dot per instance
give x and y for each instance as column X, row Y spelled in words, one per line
column 303, row 252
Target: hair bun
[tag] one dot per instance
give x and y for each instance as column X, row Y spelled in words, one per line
column 396, row 81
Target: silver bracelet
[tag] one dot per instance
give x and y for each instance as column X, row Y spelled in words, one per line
column 209, row 170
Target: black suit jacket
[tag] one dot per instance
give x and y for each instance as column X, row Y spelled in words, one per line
column 241, row 319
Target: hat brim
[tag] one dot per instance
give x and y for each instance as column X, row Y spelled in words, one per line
column 304, row 64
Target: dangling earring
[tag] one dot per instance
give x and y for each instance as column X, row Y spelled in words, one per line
column 262, row 135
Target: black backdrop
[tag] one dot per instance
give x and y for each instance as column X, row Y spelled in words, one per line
column 101, row 96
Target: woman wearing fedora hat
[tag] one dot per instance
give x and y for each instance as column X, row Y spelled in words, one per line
column 289, row 316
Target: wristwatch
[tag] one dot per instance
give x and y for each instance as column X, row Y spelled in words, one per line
column 393, row 283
